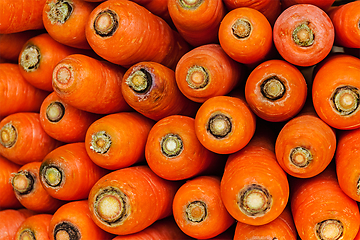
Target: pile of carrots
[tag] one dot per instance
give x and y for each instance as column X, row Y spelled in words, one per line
column 179, row 119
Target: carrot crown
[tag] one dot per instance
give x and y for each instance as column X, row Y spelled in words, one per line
column 60, row 11
column 55, row 111
column 171, row 145
column 8, row 135
column 51, row 175
column 196, row 211
column 27, row 234
column 219, row 125
column 191, row 4
column 241, row 28
column 140, row 81
column 106, row 23
column 197, row 77
column 66, row 230
column 346, row 99
column 303, row 35
column 329, row 229
column 254, row 200
column 101, row 142
column 23, row 182
column 30, row 58
column 273, row 88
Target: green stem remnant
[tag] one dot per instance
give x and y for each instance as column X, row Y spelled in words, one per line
column 241, row 28
column 52, row 176
column 66, row 231
column 140, row 81
column 300, row 157
column 23, row 182
column 254, row 200
column 30, row 58
column 8, row 135
column 219, row 125
column 196, row 211
column 272, row 88
column 346, row 100
column 171, row 145
column 190, row 4
column 59, row 12
column 55, row 112
column 101, row 142
column 197, row 77
column 106, row 23
column 303, row 35
column 27, row 234
column 330, row 229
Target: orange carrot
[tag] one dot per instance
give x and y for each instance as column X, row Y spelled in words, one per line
column 207, row 71
column 276, row 90
column 198, row 208
column 89, row 84
column 173, row 151
column 336, row 91
column 67, row 173
column 111, row 145
column 321, row 210
column 34, row 227
column 130, row 199
column 64, row 122
column 72, row 221
column 20, row 15
column 157, row 7
column 7, row 197
column 18, row 95
column 11, row 220
column 303, row 34
column 30, row 192
column 150, row 88
column 323, row 4
column 23, row 140
column 254, row 188
column 225, row 124
column 245, row 34
column 65, row 21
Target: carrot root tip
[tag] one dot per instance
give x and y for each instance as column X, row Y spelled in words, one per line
column 219, row 125
column 8, row 135
column 300, row 157
column 27, row 234
column 139, row 81
column 23, row 182
column 55, row 111
column 59, row 12
column 101, row 142
column 303, row 35
column 30, row 58
column 241, row 28
column 197, row 77
column 52, row 176
column 272, row 88
column 106, row 23
column 330, row 229
column 171, row 145
column 190, row 4
column 254, row 200
column 196, row 211
column 346, row 99
column 66, row 231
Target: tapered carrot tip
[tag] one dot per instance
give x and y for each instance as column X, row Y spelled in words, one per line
column 106, row 23
column 272, row 88
column 8, row 135
column 171, row 145
column 30, row 58
column 66, row 231
column 300, row 157
column 254, row 200
column 52, row 176
column 22, row 182
column 196, row 211
column 55, row 111
column 27, row 234
column 100, row 142
column 346, row 100
column 139, row 81
column 241, row 28
column 59, row 12
column 190, row 3
column 303, row 35
column 197, row 77
column 329, row 229
column 219, row 125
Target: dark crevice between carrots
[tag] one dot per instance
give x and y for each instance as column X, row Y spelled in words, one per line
column 219, row 125
column 190, row 4
column 23, row 182
column 106, row 23
column 330, row 229
column 60, row 11
column 171, row 145
column 358, row 186
column 273, row 88
column 303, row 35
column 8, row 135
column 254, row 200
column 55, row 111
column 196, row 211
column 27, row 234
column 345, row 100
column 241, row 28
column 66, row 231
column 197, row 77
column 140, row 81
column 300, row 157
column 52, row 175
column 101, row 142
column 30, row 58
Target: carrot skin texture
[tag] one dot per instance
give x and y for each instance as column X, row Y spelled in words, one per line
column 11, row 220
column 37, row 224
column 158, row 7
column 323, row 4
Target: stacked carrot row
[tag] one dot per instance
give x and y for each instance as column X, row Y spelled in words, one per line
column 179, row 119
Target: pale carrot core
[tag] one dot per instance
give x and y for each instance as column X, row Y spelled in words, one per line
column 63, row 75
column 22, row 182
column 171, row 145
column 330, row 229
column 190, row 3
column 59, row 11
column 303, row 35
column 272, row 88
column 55, row 111
column 219, row 125
column 197, row 77
column 100, row 142
column 27, row 234
column 62, row 235
column 66, row 230
column 196, row 211
column 106, row 23
column 139, row 81
column 109, row 207
column 53, row 176
column 241, row 28
column 346, row 100
column 30, row 58
column 8, row 135
column 300, row 157
column 254, row 200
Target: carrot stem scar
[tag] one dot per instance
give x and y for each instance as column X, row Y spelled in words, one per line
column 272, row 88
column 241, row 28
column 171, row 145
column 196, row 211
column 30, row 58
column 59, row 12
column 346, row 100
column 8, row 135
column 106, row 23
column 52, row 175
column 219, row 125
column 190, row 3
column 27, row 234
column 303, row 35
column 254, row 200
column 197, row 77
column 55, row 111
column 101, row 142
column 330, row 229
column 66, row 231
column 139, row 81
column 300, row 157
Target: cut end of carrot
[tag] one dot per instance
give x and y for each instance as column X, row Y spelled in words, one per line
column 346, row 100
column 272, row 88
column 219, row 125
column 303, row 35
column 8, row 135
column 139, row 81
column 192, row 4
column 196, row 211
column 106, row 23
column 23, row 182
column 27, row 234
column 55, row 111
column 66, row 231
column 52, row 175
column 197, row 77
column 30, row 58
column 101, row 142
column 254, row 200
column 59, row 12
column 331, row 229
column 171, row 145
column 300, row 157
column 63, row 75
column 241, row 28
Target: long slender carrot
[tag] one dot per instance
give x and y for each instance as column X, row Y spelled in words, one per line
column 198, row 208
column 11, row 220
column 16, row 92
column 111, row 145
column 207, row 71
column 23, row 140
column 7, row 197
column 254, row 187
column 173, row 151
column 321, row 210
column 34, row 227
column 336, row 91
column 323, row 4
column 72, row 221
column 30, row 192
column 130, row 199
column 276, row 90
column 303, row 34
column 150, row 88
column 225, row 124
column 89, row 84
column 20, row 15
column 64, row 122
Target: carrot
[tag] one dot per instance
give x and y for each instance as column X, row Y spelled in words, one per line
column 89, row 84
column 112, row 34
column 225, row 124
column 67, row 173
column 11, row 220
column 245, row 34
column 16, row 92
column 65, row 21
column 7, row 197
column 345, row 19
column 207, row 71
column 321, row 210
column 34, row 227
column 254, row 187
column 198, row 208
column 72, row 221
column 323, row 4
column 20, row 15
column 64, row 122
column 111, row 145
column 157, row 7
column 23, row 140
column 173, row 151
column 30, row 192
column 336, row 91
column 128, row 200
column 303, row 34
column 150, row 88
column 276, row 90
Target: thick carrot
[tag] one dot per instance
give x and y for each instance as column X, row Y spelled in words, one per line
column 225, row 124
column 118, row 140
column 336, row 91
column 198, row 208
column 34, row 227
column 7, row 197
column 157, row 7
column 23, row 140
column 17, row 92
column 323, row 4
column 321, row 210
column 11, row 220
column 130, row 199
column 245, row 34
column 150, row 88
column 276, row 90
column 254, row 187
column 173, row 151
column 64, row 122
column 207, row 71
column 30, row 192
column 89, row 84
column 67, row 173
column 65, row 21
column 303, row 34
column 282, row 227
column 20, row 15
column 72, row 221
